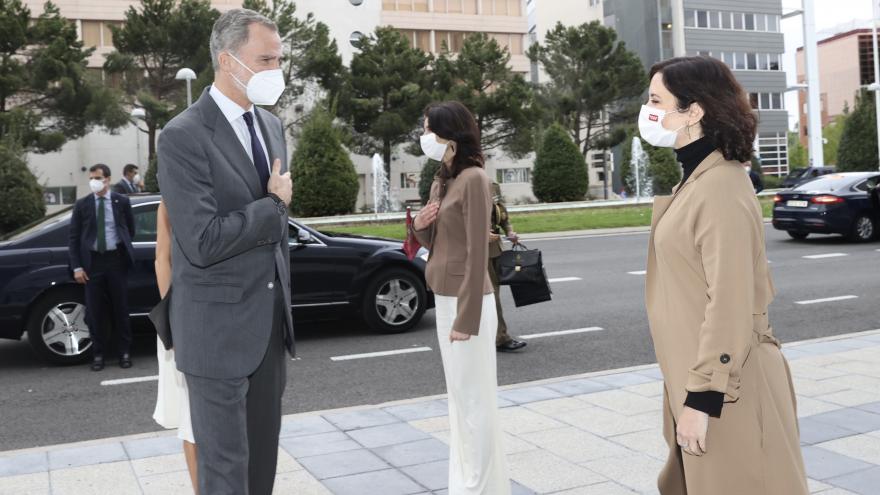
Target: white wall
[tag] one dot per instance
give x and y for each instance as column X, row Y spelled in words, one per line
column 343, row 18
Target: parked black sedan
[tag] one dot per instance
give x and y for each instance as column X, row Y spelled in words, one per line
column 332, row 275
column 831, row 204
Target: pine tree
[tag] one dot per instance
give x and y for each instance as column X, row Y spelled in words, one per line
column 858, row 142
column 21, row 197
column 664, row 169
column 560, row 173
column 426, row 179
column 324, row 178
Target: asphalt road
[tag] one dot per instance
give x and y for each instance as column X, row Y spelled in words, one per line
column 42, row 404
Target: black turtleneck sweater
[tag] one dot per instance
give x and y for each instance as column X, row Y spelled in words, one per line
column 692, row 155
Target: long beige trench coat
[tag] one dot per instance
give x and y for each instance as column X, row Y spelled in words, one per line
column 708, row 289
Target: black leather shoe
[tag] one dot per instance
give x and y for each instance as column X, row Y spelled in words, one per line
column 511, row 345
column 125, row 361
column 98, row 363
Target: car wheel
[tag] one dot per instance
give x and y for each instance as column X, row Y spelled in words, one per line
column 394, row 301
column 864, row 229
column 57, row 329
column 798, row 235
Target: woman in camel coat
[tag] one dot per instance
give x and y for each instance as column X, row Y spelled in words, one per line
column 729, row 411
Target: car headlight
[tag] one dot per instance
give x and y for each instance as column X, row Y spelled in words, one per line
column 423, row 254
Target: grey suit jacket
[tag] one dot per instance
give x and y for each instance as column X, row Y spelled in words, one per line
column 228, row 242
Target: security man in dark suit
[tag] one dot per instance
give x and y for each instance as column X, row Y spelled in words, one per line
column 101, row 254
column 131, row 182
column 500, row 221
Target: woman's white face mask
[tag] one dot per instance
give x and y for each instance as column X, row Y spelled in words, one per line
column 652, row 130
column 432, row 148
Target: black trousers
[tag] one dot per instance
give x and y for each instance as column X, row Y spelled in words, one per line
column 236, row 422
column 107, row 283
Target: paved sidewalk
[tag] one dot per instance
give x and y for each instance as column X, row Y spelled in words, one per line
column 591, row 434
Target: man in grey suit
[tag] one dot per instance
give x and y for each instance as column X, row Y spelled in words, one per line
column 230, row 298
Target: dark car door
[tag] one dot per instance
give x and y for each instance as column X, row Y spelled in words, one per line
column 143, row 292
column 321, row 272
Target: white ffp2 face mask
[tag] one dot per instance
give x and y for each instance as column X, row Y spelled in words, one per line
column 96, row 185
column 136, row 179
column 264, row 87
column 432, row 148
column 652, row 130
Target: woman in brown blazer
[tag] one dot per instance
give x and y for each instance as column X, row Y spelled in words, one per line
column 729, row 413
column 455, row 227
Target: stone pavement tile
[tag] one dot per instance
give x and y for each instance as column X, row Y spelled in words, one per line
column 517, row 489
column 871, row 338
column 873, row 407
column 823, row 464
column 431, row 475
column 578, row 387
column 851, row 418
column 26, row 484
column 792, row 354
column 625, row 403
column 519, row 420
column 649, row 442
column 419, row 410
column 635, row 471
column 823, row 360
column 431, row 425
column 806, row 370
column 606, row 488
column 323, row 443
column 652, row 373
column 815, row 388
column 443, row 436
column 836, row 491
column 526, row 395
column 298, row 483
column 573, row 444
column 606, row 423
column 391, row 481
column 859, row 367
column 863, row 482
column 813, row 432
column 286, row 463
column 364, row 418
column 816, row 486
column 305, row 425
column 342, row 463
column 621, row 380
column 82, row 456
column 553, row 407
column 152, row 447
column 380, row 436
column 850, row 398
column 24, row 464
column 862, row 447
column 859, row 382
column 176, row 483
column 808, row 406
column 650, row 389
column 418, row 452
column 117, row 478
column 828, row 347
column 545, row 472
column 515, row 445
column 158, row 465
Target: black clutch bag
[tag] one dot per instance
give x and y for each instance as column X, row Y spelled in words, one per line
column 161, row 318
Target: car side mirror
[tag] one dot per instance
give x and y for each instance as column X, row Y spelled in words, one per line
column 304, row 236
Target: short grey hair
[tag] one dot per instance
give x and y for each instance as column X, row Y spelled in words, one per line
column 230, row 32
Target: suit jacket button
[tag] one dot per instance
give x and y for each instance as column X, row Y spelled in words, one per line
column 725, row 358
column 271, row 285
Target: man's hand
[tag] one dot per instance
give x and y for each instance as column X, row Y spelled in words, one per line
column 691, row 431
column 494, row 237
column 280, row 185
column 81, row 276
column 426, row 216
column 458, row 336
column 513, row 237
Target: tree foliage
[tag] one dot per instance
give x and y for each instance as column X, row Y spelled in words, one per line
column 858, row 141
column 663, row 168
column 560, row 173
column 21, row 197
column 426, row 179
column 797, row 153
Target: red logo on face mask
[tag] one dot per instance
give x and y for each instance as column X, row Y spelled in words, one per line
column 653, row 118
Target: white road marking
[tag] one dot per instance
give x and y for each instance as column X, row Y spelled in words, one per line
column 827, row 299
column 561, row 332
column 639, row 272
column 823, row 256
column 586, row 236
column 380, row 354
column 124, row 381
column 563, row 279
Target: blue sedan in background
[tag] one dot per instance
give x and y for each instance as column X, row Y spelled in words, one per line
column 831, row 204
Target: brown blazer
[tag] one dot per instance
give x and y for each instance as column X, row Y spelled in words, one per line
column 708, row 289
column 458, row 242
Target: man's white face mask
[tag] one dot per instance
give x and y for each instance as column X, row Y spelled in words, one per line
column 264, row 87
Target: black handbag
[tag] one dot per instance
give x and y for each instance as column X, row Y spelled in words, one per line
column 161, row 318
column 521, row 265
column 525, row 294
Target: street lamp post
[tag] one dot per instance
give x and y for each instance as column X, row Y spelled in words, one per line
column 814, row 109
column 137, row 114
column 876, row 86
column 187, row 75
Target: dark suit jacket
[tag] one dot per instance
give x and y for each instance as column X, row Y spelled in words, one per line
column 122, row 187
column 84, row 231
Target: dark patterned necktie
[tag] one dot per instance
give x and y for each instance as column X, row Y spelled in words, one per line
column 260, row 161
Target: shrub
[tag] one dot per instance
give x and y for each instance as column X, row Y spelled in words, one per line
column 560, row 173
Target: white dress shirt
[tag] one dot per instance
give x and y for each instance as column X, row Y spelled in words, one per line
column 234, row 114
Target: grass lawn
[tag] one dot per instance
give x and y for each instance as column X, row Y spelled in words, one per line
column 539, row 222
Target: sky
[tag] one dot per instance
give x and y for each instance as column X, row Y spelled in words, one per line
column 830, row 14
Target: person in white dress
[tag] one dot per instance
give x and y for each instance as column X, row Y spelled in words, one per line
column 172, row 401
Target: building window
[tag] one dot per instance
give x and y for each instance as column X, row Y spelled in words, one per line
column 56, row 196
column 423, row 40
column 774, row 61
column 690, row 18
column 702, row 19
column 726, row 20
column 766, row 101
column 866, row 60
column 355, row 38
column 356, row 3
column 773, row 152
column 737, row 20
column 409, row 180
column 752, row 61
column 750, row 22
column 513, row 175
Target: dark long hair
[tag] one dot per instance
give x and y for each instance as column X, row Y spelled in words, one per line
column 729, row 122
column 453, row 121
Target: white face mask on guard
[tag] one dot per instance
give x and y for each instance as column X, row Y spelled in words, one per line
column 432, row 148
column 264, row 87
column 652, row 130
column 96, row 185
